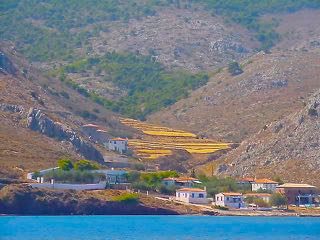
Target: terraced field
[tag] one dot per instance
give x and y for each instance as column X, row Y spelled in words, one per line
column 162, row 141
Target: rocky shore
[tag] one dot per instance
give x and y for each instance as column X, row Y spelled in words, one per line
column 24, row 200
column 21, row 199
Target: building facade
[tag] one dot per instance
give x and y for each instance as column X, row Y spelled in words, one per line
column 118, row 144
column 264, row 184
column 232, row 200
column 192, row 195
column 299, row 194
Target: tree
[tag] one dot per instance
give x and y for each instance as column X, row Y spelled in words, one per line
column 234, row 68
column 278, row 200
column 65, row 164
column 83, row 165
column 193, row 173
column 278, row 180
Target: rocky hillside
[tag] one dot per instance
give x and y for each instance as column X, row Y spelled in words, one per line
column 42, row 123
column 288, row 148
column 235, row 107
column 186, row 38
column 299, row 30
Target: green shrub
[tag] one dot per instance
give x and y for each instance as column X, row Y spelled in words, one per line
column 217, row 185
column 73, row 176
column 234, row 68
column 149, row 181
column 168, row 190
column 144, row 186
column 83, row 165
column 220, row 207
column 130, row 198
column 278, row 200
column 65, row 164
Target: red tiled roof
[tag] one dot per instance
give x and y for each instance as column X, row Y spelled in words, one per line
column 247, row 179
column 264, row 180
column 191, row 190
column 231, row 194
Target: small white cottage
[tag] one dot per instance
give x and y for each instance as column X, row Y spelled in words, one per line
column 232, row 200
column 192, row 195
column 118, row 144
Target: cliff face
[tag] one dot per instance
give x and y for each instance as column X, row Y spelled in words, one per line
column 40, row 122
column 24, row 200
column 289, row 148
column 6, row 66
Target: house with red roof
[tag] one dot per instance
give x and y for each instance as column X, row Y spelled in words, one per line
column 192, row 195
column 229, row 199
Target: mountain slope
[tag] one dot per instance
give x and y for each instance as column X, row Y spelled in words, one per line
column 28, row 100
column 234, row 107
column 288, row 148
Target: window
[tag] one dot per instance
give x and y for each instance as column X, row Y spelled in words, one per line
column 192, row 195
column 201, row 195
column 227, row 198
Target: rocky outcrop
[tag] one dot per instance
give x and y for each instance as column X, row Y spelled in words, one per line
column 11, row 108
column 6, row 66
column 40, row 122
column 24, row 200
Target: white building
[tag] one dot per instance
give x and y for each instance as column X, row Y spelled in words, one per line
column 232, row 200
column 118, row 144
column 264, row 184
column 192, row 195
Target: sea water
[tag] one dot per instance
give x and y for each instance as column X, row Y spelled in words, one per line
column 157, row 228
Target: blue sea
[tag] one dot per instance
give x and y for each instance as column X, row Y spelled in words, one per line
column 157, row 228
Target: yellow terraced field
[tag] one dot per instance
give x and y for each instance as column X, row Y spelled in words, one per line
column 161, row 141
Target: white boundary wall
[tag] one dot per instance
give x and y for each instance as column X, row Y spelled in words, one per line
column 78, row 187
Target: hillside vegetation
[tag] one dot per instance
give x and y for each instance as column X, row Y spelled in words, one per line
column 55, row 29
column 248, row 13
column 148, row 85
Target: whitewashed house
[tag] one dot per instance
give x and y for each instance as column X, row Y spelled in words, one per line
column 118, row 144
column 192, row 195
column 264, row 184
column 232, row 200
